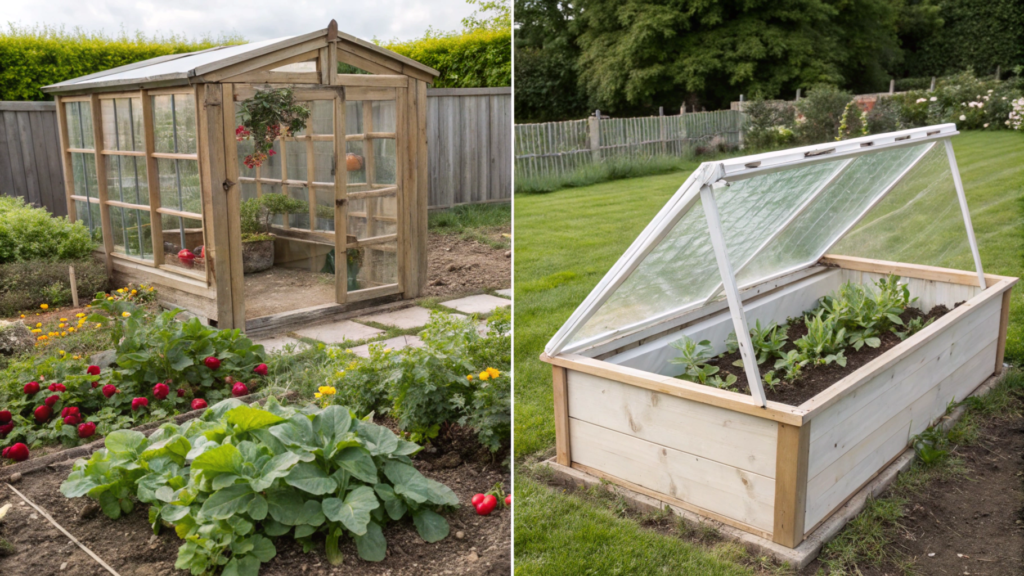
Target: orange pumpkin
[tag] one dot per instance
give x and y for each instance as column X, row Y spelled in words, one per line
column 353, row 162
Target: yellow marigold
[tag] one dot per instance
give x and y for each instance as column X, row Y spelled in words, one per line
column 484, row 376
column 76, row 357
column 62, row 353
column 120, row 290
column 36, row 330
column 327, row 390
column 150, row 288
column 98, row 325
column 63, row 319
column 71, row 328
column 469, row 377
column 126, row 314
column 43, row 337
column 80, row 315
column 61, row 325
column 135, row 291
column 22, row 315
column 39, row 324
column 44, row 306
column 63, row 333
column 110, row 297
column 493, row 372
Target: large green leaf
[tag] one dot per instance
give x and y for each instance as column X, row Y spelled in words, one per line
column 285, row 505
column 263, row 548
column 332, row 424
column 258, row 508
column 311, row 478
column 393, row 504
column 441, row 494
column 354, row 512
column 277, row 467
column 357, row 462
column 312, row 513
column 225, row 458
column 378, row 440
column 431, row 525
column 297, row 431
column 192, row 557
column 232, row 500
column 78, row 487
column 126, row 443
column 274, row 528
column 372, row 546
column 175, row 447
column 172, row 513
column 408, row 481
column 245, row 418
column 242, row 566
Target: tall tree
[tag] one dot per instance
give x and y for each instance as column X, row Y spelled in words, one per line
column 546, row 62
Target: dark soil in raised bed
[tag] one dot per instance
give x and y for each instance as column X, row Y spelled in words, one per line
column 817, row 378
column 129, row 546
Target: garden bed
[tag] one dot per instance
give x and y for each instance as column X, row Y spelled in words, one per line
column 817, row 377
column 458, row 265
column 129, row 546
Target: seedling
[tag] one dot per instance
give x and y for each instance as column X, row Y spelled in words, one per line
column 791, row 365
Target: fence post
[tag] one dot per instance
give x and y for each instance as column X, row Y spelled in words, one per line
column 595, row 136
column 998, row 70
column 797, row 94
column 932, row 89
column 737, row 120
column 661, row 130
column 892, row 86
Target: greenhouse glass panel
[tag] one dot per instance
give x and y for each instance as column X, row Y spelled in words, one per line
column 323, row 162
column 321, row 116
column 79, row 118
column 83, row 170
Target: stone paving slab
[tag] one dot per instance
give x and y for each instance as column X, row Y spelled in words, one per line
column 396, row 343
column 479, row 304
column 338, row 332
column 412, row 317
column 505, row 292
column 275, row 343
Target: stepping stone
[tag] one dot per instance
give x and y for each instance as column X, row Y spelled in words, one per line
column 506, row 292
column 412, row 317
column 396, row 343
column 479, row 304
column 275, row 343
column 338, row 332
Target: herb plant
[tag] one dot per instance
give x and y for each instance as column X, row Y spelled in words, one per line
column 823, row 343
column 791, row 365
column 768, row 341
column 240, row 476
column 693, row 356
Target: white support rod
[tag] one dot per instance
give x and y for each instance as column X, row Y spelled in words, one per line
column 778, row 232
column 967, row 213
column 874, row 202
column 739, row 319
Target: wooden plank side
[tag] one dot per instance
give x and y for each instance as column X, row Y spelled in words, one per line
column 560, row 392
column 929, row 293
column 28, row 163
column 215, row 220
column 420, row 242
column 233, row 191
column 18, row 182
column 101, row 183
column 39, row 164
column 791, row 484
column 737, row 494
column 737, row 440
column 1004, row 323
column 6, row 176
column 58, row 206
column 909, row 270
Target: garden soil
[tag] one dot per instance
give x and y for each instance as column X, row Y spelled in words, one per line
column 129, row 546
column 459, row 266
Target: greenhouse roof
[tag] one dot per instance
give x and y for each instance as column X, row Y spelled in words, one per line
column 741, row 222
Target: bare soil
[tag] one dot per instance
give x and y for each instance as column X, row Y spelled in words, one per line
column 817, row 378
column 129, row 546
column 282, row 289
column 458, row 266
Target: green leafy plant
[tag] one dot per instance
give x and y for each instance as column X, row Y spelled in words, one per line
column 770, row 380
column 791, row 365
column 693, row 356
column 823, row 343
column 257, row 214
column 913, row 327
column 32, row 234
column 929, row 445
column 768, row 341
column 240, row 476
column 267, row 115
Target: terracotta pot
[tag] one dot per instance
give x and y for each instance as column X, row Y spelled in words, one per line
column 353, row 162
column 257, row 256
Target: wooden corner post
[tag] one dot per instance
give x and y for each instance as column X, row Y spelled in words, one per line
column 1004, row 323
column 793, row 447
column 560, row 384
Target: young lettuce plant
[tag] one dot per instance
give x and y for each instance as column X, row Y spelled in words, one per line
column 239, row 476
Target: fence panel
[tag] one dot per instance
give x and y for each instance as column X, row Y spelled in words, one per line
column 30, row 155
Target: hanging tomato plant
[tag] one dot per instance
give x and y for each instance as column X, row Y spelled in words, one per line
column 266, row 116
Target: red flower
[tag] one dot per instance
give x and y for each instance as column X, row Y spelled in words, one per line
column 212, row 363
column 181, row 392
column 56, row 388
column 18, row 452
column 161, row 390
column 198, row 404
column 95, row 384
column 5, row 416
column 261, row 369
column 109, row 390
column 31, row 388
column 239, row 390
column 68, row 411
column 51, row 400
column 86, row 430
column 271, row 152
column 43, row 413
column 6, row 429
column 93, row 370
column 139, row 403
column 73, row 419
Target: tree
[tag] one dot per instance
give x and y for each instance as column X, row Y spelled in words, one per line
column 546, row 54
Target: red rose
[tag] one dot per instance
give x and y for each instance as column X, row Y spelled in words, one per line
column 43, row 413
column 18, row 452
column 51, row 400
column 261, row 370
column 31, row 388
column 160, row 391
column 6, row 429
column 239, row 390
column 68, row 411
column 86, row 430
column 73, row 419
column 139, row 403
column 95, row 384
column 198, row 404
column 109, row 390
column 181, row 392
column 5, row 416
column 212, row 363
column 93, row 370
column 55, row 387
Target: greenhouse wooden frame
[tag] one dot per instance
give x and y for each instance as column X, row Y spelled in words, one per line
column 773, row 470
column 203, row 89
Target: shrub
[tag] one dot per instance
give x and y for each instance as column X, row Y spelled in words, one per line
column 476, row 59
column 886, row 116
column 769, row 123
column 28, row 233
column 822, row 113
column 26, row 285
column 240, row 476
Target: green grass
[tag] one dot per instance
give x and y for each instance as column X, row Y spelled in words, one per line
column 480, row 222
column 568, row 239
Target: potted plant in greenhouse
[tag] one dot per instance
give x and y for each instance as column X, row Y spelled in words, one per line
column 257, row 217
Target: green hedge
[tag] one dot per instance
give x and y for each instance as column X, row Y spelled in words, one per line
column 978, row 34
column 31, row 58
column 31, row 234
column 26, row 285
column 478, row 59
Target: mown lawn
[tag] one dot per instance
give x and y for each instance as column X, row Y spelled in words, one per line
column 567, row 240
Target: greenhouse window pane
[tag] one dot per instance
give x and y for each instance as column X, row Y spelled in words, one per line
column 174, row 123
column 296, row 158
column 131, row 232
column 322, row 116
column 323, row 161
column 325, row 209
column 384, row 117
column 357, row 176
column 90, row 218
column 83, row 171
column 185, row 232
column 79, row 119
column 126, row 179
column 354, row 117
column 385, row 161
column 271, row 167
column 374, row 266
column 299, row 219
column 180, row 188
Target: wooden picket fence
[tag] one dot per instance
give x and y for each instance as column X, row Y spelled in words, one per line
column 560, row 148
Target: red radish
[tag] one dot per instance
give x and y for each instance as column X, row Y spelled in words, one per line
column 260, row 370
column 6, row 429
column 487, row 505
column 508, row 500
column 239, row 389
column 68, row 411
column 181, row 392
column 477, row 499
column 43, row 413
column 18, row 452
column 5, row 416
column 51, row 400
column 73, row 419
column 198, row 404
column 86, row 430
column 93, row 370
column 109, row 390
column 212, row 363
column 31, row 388
column 187, row 258
column 95, row 384
column 139, row 403
column 161, row 390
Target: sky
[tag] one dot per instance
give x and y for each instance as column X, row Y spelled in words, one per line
column 254, row 20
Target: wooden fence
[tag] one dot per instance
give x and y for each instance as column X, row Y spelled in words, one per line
column 469, row 133
column 558, row 148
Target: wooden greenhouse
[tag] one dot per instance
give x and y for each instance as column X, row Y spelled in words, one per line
column 763, row 238
column 152, row 166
